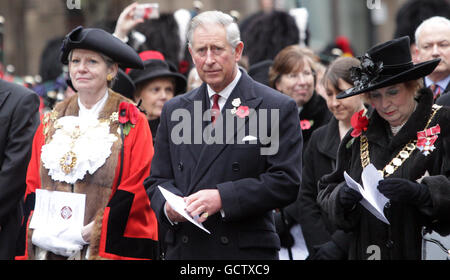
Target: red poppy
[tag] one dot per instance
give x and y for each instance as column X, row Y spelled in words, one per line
column 242, row 111
column 306, row 124
column 183, row 66
column 359, row 123
column 128, row 113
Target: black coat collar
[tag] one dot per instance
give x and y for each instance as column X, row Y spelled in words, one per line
column 315, row 106
column 329, row 143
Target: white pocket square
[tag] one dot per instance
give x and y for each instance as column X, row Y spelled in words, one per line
column 249, row 138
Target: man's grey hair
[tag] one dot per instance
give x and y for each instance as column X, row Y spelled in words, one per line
column 433, row 21
column 215, row 17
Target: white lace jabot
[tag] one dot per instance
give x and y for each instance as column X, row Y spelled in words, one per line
column 79, row 145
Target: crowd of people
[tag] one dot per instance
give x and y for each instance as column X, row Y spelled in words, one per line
column 256, row 141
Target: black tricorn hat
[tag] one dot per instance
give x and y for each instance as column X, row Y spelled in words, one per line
column 103, row 42
column 387, row 64
column 156, row 68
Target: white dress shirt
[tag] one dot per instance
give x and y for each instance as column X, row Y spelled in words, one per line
column 225, row 93
column 442, row 83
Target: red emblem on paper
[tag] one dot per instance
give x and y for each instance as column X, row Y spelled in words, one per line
column 66, row 212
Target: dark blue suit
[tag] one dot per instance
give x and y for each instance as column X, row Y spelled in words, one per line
column 250, row 184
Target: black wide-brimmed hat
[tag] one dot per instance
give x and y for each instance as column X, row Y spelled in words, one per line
column 156, row 68
column 124, row 85
column 387, row 64
column 100, row 41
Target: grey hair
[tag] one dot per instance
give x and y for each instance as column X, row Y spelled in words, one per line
column 433, row 21
column 215, row 17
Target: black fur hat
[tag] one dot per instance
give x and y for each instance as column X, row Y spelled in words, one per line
column 266, row 34
column 413, row 12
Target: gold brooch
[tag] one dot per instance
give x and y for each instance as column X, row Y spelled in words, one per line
column 68, row 161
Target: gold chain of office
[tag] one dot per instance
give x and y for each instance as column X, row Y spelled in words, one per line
column 403, row 155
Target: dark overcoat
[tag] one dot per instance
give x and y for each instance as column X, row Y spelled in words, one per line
column 19, row 118
column 315, row 111
column 320, row 159
column 402, row 238
column 251, row 184
column 317, row 114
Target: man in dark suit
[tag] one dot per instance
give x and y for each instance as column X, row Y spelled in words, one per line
column 433, row 41
column 19, row 118
column 231, row 176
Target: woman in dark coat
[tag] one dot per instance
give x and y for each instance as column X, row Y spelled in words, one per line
column 293, row 73
column 408, row 139
column 321, row 237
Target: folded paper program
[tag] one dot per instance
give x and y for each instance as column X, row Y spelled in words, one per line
column 57, row 222
column 373, row 200
column 178, row 204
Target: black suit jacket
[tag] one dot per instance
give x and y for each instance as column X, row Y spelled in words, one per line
column 19, row 118
column 444, row 99
column 250, row 184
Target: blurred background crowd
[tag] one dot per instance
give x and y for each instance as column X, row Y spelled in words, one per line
column 31, row 31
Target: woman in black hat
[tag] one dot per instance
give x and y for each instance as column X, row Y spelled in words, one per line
column 156, row 84
column 322, row 238
column 85, row 197
column 407, row 139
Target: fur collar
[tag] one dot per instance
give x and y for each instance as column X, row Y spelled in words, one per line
column 97, row 186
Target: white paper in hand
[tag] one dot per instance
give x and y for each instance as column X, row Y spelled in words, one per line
column 373, row 200
column 178, row 204
column 58, row 209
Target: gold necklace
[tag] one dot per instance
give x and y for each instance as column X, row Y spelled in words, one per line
column 400, row 158
column 68, row 161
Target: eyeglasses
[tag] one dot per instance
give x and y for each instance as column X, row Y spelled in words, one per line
column 302, row 74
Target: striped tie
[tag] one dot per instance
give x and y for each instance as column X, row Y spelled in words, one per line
column 436, row 89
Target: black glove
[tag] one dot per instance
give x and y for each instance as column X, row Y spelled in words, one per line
column 402, row 190
column 327, row 251
column 348, row 197
column 283, row 228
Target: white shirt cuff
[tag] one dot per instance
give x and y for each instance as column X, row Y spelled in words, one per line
column 170, row 221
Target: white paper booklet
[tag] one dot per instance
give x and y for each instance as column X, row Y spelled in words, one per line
column 178, row 204
column 58, row 209
column 373, row 200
